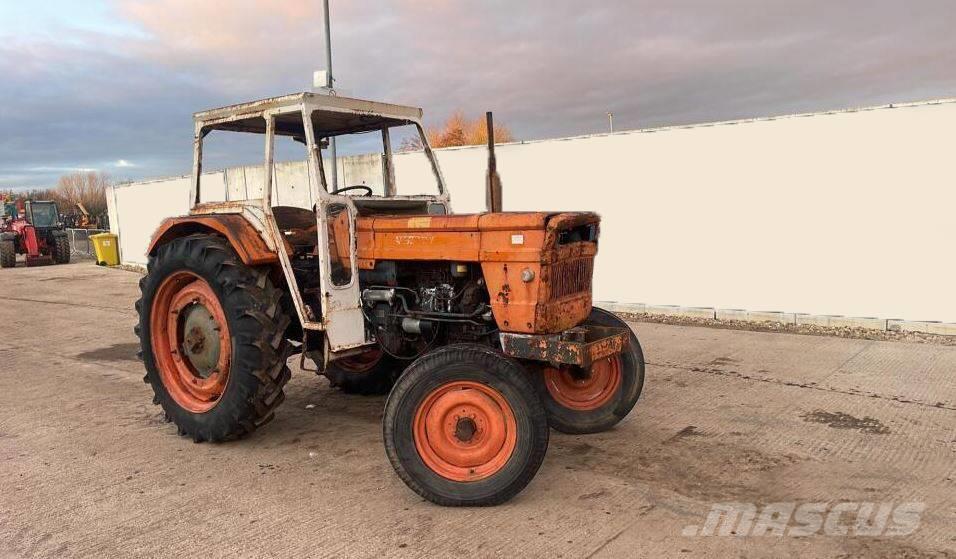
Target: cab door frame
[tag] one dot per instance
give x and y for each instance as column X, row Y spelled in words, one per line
column 342, row 317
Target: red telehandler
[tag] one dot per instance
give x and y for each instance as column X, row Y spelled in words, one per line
column 34, row 229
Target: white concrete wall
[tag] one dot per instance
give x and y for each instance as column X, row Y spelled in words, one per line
column 840, row 213
column 138, row 208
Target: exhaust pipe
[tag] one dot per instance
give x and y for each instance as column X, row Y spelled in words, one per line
column 492, row 180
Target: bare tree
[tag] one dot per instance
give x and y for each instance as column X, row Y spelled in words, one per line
column 88, row 189
column 458, row 130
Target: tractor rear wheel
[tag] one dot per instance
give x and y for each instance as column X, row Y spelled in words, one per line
column 369, row 373
column 212, row 333
column 463, row 427
column 61, row 249
column 594, row 400
column 8, row 254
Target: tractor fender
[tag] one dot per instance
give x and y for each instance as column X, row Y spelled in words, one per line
column 242, row 235
column 58, row 233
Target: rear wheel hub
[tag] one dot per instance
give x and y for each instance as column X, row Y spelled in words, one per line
column 190, row 341
column 362, row 362
column 201, row 339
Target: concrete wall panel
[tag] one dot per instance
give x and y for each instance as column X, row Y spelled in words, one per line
column 845, row 213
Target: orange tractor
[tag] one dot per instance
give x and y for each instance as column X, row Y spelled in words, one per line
column 479, row 326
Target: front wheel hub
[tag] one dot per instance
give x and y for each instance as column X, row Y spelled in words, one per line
column 465, row 431
column 585, row 389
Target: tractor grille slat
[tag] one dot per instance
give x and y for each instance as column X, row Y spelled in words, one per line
column 571, row 277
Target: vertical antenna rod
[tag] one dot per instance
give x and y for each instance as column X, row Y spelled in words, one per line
column 330, row 82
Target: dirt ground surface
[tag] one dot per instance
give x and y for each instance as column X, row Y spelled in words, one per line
column 807, row 329
column 90, row 469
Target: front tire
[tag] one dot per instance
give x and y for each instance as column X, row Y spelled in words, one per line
column 463, row 427
column 61, row 249
column 212, row 334
column 8, row 254
column 581, row 402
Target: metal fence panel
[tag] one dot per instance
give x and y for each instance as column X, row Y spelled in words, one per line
column 80, row 243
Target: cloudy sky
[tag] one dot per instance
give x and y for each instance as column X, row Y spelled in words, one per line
column 111, row 84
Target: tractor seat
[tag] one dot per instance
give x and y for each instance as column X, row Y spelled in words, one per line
column 298, row 228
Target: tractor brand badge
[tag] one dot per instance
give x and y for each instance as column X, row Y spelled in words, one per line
column 409, row 240
column 517, row 239
column 419, row 222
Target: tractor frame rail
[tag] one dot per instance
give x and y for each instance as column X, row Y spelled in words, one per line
column 579, row 346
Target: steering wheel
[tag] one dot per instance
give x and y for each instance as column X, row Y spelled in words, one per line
column 367, row 189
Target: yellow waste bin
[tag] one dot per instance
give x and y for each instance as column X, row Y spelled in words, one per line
column 105, row 245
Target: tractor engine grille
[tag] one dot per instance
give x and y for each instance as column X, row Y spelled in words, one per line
column 570, row 277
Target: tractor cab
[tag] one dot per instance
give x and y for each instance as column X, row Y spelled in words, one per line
column 315, row 245
column 42, row 214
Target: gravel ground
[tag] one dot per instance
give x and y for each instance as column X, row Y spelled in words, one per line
column 808, row 330
column 90, row 469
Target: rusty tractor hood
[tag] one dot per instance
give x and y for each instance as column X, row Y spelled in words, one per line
column 479, row 222
column 500, row 236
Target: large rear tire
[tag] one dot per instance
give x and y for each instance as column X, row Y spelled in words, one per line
column 580, row 402
column 370, row 373
column 463, row 427
column 8, row 254
column 212, row 333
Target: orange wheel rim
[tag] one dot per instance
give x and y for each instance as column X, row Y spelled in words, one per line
column 190, row 340
column 362, row 362
column 585, row 390
column 465, row 431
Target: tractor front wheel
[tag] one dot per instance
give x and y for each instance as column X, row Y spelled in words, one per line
column 61, row 249
column 590, row 401
column 212, row 332
column 8, row 254
column 463, row 427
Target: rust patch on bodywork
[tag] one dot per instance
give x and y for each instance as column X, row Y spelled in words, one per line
column 243, row 237
column 557, row 316
column 579, row 346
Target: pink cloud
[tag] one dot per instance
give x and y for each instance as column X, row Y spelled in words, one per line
column 546, row 67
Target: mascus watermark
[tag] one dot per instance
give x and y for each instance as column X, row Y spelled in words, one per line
column 808, row 519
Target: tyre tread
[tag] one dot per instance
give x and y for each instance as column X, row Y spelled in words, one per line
column 8, row 254
column 501, row 367
column 258, row 334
